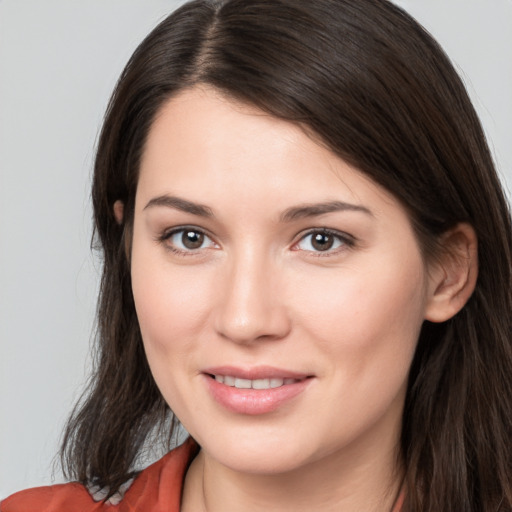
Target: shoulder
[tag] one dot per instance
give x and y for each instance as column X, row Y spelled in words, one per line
column 72, row 496
column 158, row 486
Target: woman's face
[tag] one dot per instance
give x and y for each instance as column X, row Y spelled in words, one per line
column 280, row 292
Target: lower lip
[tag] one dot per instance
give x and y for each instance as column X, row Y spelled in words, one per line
column 254, row 401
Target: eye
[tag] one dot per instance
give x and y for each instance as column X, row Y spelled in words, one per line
column 185, row 240
column 322, row 240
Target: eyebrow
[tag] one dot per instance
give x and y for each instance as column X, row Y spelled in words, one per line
column 289, row 215
column 180, row 204
column 316, row 209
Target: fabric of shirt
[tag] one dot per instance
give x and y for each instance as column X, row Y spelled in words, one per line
column 158, row 488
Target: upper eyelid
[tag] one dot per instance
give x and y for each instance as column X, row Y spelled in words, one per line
column 164, row 237
column 343, row 235
column 176, row 229
column 348, row 242
column 166, row 234
column 330, row 231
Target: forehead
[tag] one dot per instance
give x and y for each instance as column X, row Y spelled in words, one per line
column 204, row 144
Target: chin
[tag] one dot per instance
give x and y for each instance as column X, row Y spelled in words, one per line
column 263, row 451
column 263, row 461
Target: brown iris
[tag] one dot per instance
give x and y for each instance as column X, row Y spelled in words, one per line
column 192, row 239
column 322, row 241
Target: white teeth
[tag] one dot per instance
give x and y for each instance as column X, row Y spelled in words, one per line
column 230, row 381
column 261, row 383
column 236, row 382
column 243, row 383
column 276, row 383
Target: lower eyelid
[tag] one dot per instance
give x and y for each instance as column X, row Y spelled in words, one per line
column 167, row 236
column 345, row 240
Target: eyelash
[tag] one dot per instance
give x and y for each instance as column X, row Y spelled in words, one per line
column 167, row 235
column 345, row 240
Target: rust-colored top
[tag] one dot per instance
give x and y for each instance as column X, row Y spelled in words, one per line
column 156, row 489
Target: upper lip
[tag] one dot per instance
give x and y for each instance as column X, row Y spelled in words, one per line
column 255, row 372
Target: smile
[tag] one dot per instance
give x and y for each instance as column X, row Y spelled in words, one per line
column 259, row 390
column 239, row 383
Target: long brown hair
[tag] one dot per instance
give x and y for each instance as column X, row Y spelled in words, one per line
column 370, row 83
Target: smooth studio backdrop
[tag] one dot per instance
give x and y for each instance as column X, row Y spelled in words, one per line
column 59, row 61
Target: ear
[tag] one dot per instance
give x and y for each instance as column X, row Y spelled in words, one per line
column 452, row 276
column 119, row 211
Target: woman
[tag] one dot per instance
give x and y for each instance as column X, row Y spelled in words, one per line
column 307, row 260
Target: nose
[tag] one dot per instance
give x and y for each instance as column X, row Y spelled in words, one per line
column 250, row 304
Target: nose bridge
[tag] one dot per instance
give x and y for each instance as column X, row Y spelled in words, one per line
column 251, row 306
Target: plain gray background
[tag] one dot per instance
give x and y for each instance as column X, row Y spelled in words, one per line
column 59, row 60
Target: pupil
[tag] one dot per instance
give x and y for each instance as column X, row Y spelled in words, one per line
column 192, row 239
column 322, row 241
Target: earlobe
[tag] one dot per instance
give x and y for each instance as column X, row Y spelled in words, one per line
column 452, row 277
column 119, row 211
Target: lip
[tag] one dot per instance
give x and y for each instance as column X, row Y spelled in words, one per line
column 254, row 401
column 257, row 372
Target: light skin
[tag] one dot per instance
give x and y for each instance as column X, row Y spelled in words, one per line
column 293, row 260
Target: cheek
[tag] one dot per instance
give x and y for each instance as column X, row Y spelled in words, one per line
column 171, row 304
column 171, row 309
column 365, row 324
column 370, row 315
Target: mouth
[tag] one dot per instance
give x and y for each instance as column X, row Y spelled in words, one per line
column 256, row 391
column 239, row 383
